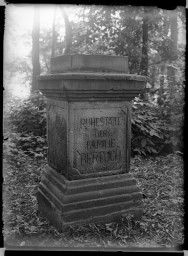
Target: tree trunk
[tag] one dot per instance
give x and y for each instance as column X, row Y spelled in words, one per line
column 174, row 27
column 68, row 32
column 144, row 60
column 35, row 48
column 166, row 17
column 174, row 38
column 53, row 34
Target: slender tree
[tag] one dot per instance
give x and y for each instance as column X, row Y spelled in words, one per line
column 68, row 32
column 174, row 27
column 174, row 38
column 35, row 47
column 53, row 33
column 144, row 60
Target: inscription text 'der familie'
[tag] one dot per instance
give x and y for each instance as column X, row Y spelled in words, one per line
column 100, row 138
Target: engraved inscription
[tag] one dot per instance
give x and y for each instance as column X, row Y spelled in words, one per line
column 101, row 145
column 97, row 122
column 100, row 157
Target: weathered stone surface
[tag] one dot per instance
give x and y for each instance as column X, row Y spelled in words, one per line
column 100, row 138
column 94, row 200
column 57, row 136
column 93, row 141
column 91, row 86
column 82, row 62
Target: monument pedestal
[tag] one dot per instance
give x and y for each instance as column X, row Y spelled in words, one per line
column 95, row 200
column 89, row 137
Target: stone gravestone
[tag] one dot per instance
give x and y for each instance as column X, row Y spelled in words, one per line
column 87, row 178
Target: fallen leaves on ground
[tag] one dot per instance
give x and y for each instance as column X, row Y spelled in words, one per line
column 161, row 181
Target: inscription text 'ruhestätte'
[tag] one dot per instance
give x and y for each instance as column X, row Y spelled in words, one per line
column 98, row 122
column 101, row 145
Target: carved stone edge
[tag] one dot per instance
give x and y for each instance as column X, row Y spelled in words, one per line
column 76, row 175
column 66, row 181
column 92, row 76
column 84, row 95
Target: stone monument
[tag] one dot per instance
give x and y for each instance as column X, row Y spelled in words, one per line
column 87, row 178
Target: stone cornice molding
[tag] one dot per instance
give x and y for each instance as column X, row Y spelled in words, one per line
column 75, row 78
column 92, row 76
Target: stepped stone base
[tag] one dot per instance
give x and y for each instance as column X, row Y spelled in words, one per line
column 92, row 200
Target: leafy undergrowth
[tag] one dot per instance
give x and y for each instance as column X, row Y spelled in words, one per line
column 161, row 180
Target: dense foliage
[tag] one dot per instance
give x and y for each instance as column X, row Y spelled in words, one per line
column 157, row 126
column 25, row 122
column 148, row 129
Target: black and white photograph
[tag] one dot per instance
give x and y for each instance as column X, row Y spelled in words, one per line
column 93, row 116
